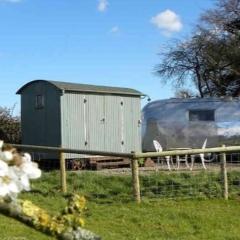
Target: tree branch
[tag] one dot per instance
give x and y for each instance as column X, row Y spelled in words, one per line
column 14, row 209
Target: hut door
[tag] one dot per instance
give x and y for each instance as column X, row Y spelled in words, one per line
column 113, row 125
column 95, row 122
column 129, row 125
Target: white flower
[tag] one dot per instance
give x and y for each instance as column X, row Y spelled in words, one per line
column 31, row 170
column 14, row 179
column 3, row 168
column 8, row 186
column 6, row 156
column 27, row 170
column 3, row 189
column 20, row 178
column 25, row 183
column 26, row 157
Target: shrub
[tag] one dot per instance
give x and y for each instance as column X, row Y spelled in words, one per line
column 10, row 129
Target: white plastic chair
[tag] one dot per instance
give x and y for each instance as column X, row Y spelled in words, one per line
column 203, row 159
column 180, row 159
column 159, row 148
column 202, row 154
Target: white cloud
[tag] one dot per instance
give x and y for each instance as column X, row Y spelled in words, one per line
column 102, row 5
column 168, row 21
column 115, row 29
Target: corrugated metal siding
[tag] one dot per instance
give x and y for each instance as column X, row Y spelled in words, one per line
column 131, row 129
column 122, row 129
column 41, row 126
column 74, row 120
column 112, row 123
column 100, row 122
column 127, row 124
column 136, row 118
column 95, row 121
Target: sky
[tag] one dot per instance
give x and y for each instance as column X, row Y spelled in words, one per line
column 100, row 42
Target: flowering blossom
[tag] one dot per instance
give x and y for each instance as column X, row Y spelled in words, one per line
column 15, row 172
column 7, row 184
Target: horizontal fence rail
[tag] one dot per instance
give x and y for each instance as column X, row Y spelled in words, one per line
column 189, row 152
column 134, row 155
column 63, row 175
column 70, row 150
column 142, row 183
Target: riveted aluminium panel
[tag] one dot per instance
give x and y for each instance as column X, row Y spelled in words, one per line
column 169, row 122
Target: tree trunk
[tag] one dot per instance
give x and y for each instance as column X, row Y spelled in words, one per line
column 199, row 83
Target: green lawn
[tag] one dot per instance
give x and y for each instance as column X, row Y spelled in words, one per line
column 204, row 219
column 113, row 215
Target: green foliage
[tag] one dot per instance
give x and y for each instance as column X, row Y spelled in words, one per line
column 141, row 161
column 10, row 129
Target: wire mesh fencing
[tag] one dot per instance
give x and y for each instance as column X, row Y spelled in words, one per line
column 98, row 178
column 197, row 181
column 117, row 181
column 182, row 182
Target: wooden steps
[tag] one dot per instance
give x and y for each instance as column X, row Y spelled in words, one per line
column 98, row 163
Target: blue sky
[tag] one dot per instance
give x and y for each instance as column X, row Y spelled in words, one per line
column 102, row 42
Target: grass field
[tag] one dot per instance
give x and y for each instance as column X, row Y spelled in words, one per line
column 113, row 215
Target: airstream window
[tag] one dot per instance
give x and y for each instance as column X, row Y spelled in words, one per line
column 39, row 103
column 201, row 115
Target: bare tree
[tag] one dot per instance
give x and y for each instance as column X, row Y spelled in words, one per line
column 225, row 17
column 224, row 22
column 211, row 57
column 185, row 61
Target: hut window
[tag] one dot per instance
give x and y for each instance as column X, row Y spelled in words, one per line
column 39, row 102
column 201, row 115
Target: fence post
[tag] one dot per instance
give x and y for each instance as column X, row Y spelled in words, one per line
column 135, row 180
column 224, row 174
column 63, row 172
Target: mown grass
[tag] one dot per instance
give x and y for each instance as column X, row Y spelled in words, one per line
column 195, row 210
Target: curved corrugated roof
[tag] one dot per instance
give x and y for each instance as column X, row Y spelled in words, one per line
column 77, row 87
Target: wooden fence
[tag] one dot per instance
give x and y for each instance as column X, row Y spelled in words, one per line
column 134, row 156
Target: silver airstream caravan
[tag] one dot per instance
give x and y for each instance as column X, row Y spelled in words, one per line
column 187, row 122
